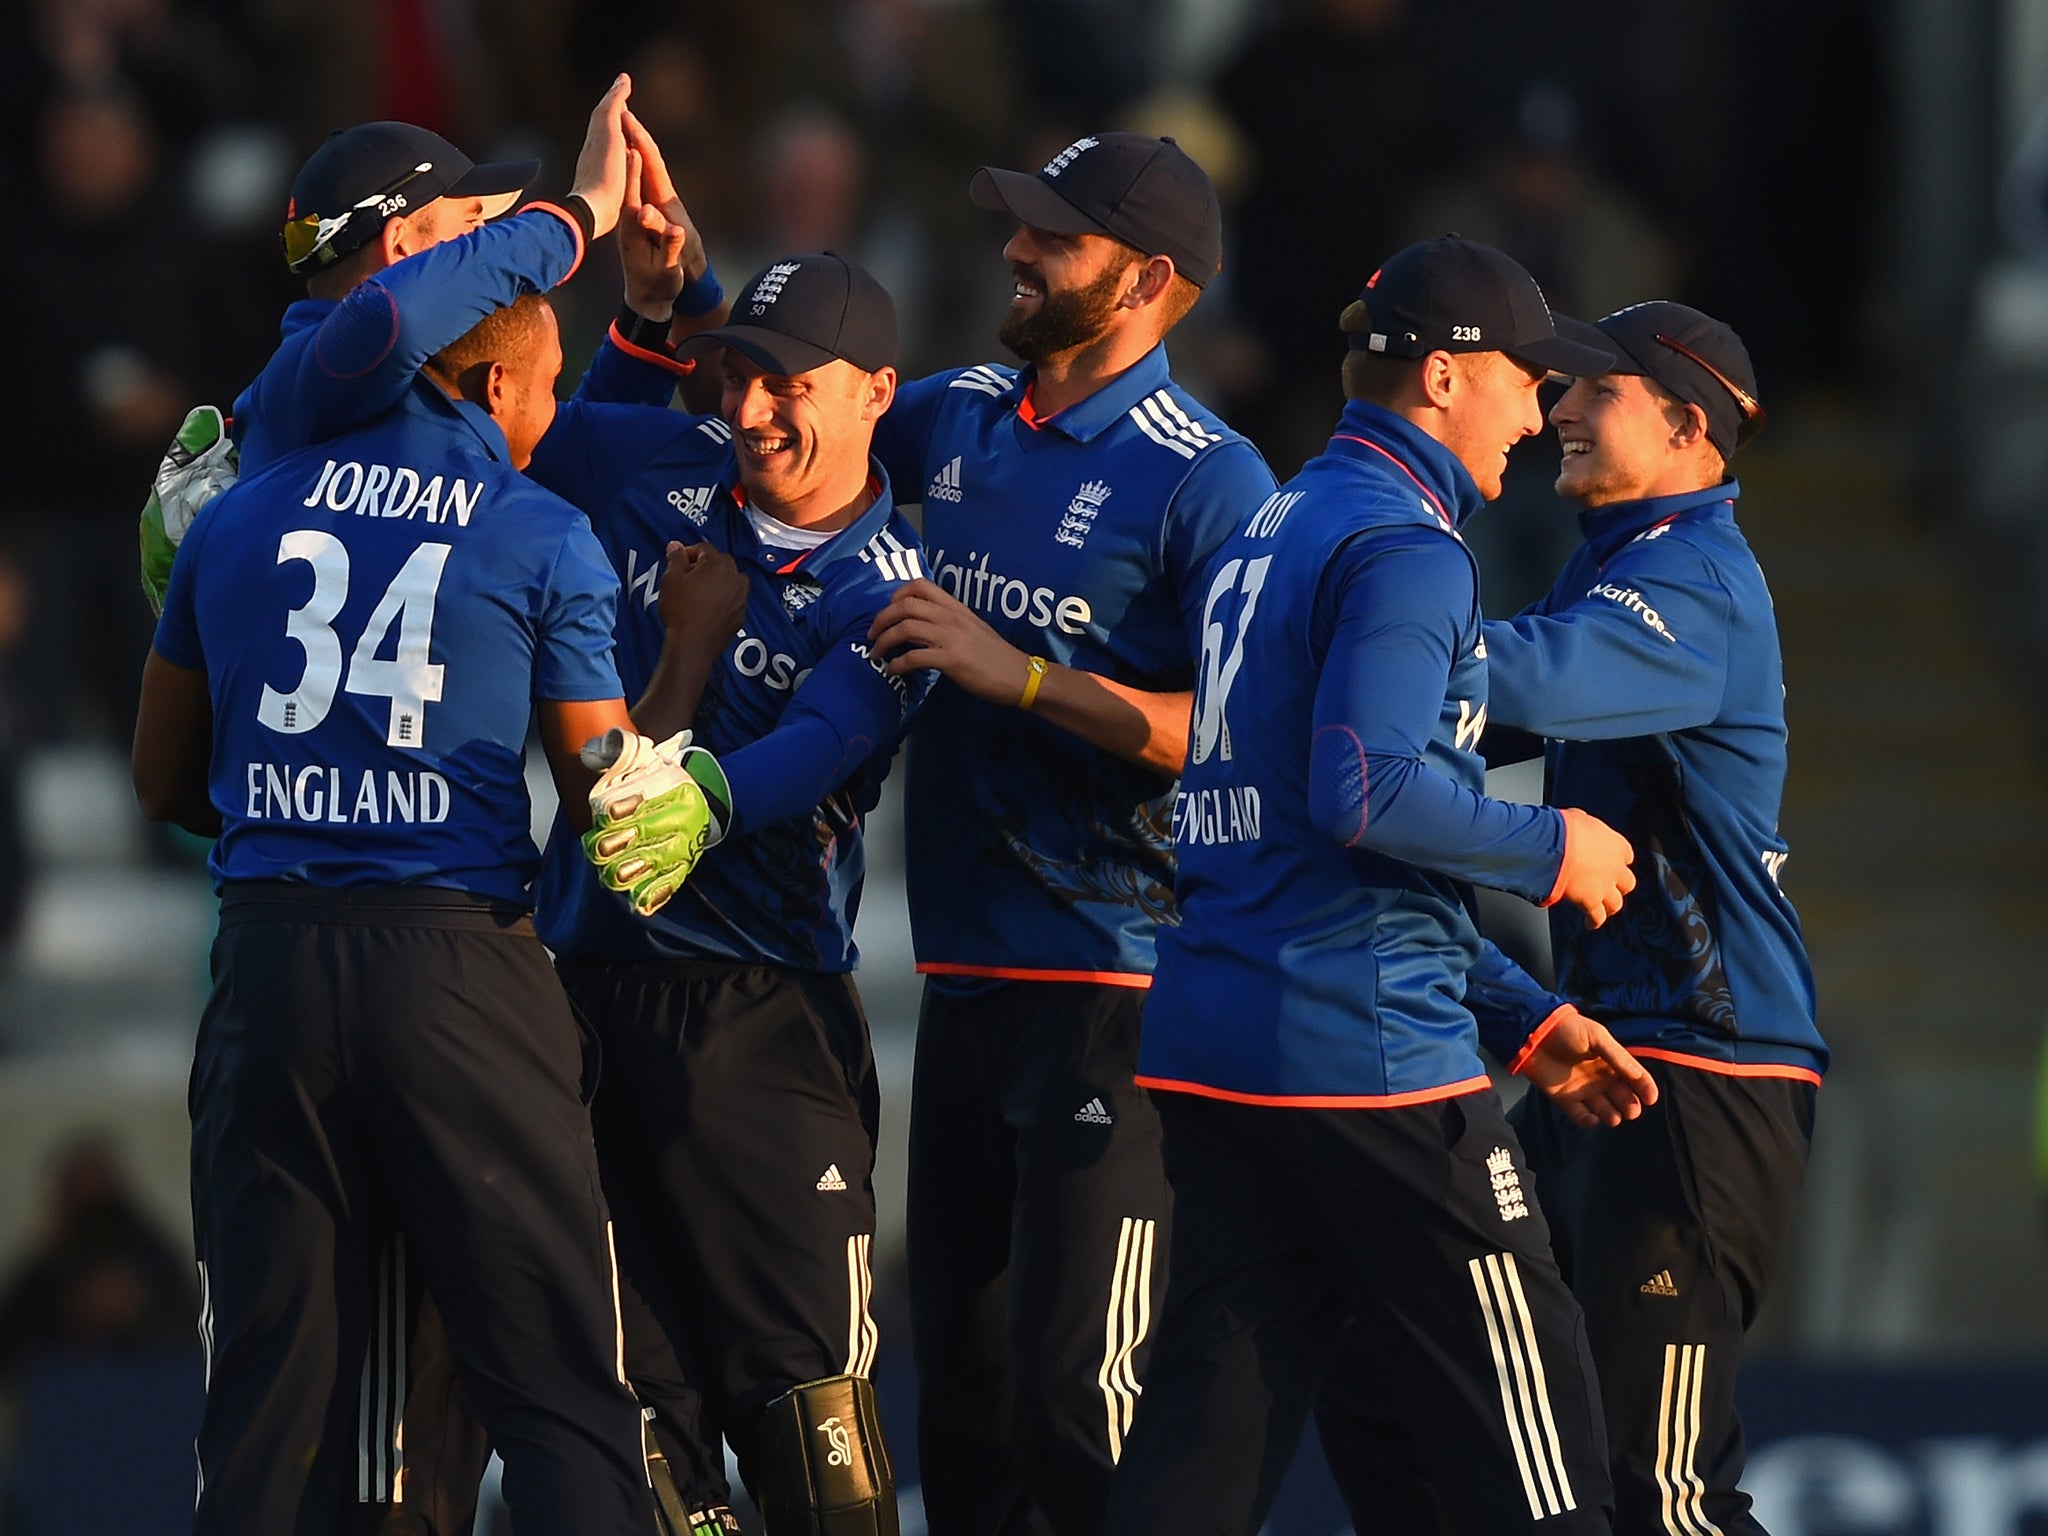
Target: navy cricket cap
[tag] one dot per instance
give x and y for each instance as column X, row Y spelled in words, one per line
column 1143, row 191
column 365, row 175
column 1692, row 355
column 804, row 311
column 1453, row 295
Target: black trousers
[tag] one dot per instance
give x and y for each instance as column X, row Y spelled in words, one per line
column 1417, row 1226
column 736, row 1123
column 386, row 1061
column 1038, row 1230
column 1668, row 1229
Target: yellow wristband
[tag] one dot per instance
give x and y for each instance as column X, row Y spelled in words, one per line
column 1034, row 675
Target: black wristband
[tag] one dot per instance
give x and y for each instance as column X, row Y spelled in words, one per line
column 580, row 211
column 651, row 335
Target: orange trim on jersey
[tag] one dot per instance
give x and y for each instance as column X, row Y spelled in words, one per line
column 1012, row 973
column 675, row 365
column 569, row 219
column 1027, row 408
column 1726, row 1068
column 1317, row 1100
column 1557, row 1017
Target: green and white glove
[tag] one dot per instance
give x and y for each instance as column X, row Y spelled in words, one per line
column 654, row 810
column 200, row 463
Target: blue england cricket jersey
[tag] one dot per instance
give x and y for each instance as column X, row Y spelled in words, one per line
column 1332, row 810
column 800, row 714
column 1082, row 538
column 342, row 363
column 376, row 616
column 1653, row 666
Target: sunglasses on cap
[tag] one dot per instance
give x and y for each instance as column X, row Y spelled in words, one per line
column 1753, row 417
column 304, row 237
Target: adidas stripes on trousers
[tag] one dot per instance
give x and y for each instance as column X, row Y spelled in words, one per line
column 1038, row 1226
column 1668, row 1229
column 736, row 1120
column 1413, row 1233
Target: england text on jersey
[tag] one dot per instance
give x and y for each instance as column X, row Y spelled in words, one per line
column 344, row 796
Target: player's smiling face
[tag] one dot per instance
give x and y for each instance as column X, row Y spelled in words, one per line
column 1067, row 290
column 1616, row 432
column 1494, row 406
column 802, row 439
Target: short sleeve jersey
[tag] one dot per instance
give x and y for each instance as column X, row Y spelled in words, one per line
column 376, row 616
column 1082, row 538
column 802, row 716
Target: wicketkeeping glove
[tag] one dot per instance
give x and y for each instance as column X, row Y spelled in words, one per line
column 200, row 464
column 654, row 810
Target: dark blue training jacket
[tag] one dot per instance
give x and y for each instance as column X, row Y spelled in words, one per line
column 1332, row 809
column 1653, row 667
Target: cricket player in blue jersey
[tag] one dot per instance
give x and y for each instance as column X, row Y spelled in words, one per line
column 739, row 1109
column 1652, row 667
column 1336, row 1148
column 388, row 224
column 1070, row 509
column 340, row 688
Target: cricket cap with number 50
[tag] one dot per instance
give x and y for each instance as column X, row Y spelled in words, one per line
column 365, row 175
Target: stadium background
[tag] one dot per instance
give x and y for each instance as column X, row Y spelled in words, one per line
column 1858, row 186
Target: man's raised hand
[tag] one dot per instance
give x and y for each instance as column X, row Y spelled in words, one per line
column 650, row 249
column 601, row 166
column 658, row 191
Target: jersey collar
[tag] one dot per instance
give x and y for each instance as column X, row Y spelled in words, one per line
column 847, row 542
column 1607, row 528
column 1087, row 419
column 429, row 400
column 1443, row 488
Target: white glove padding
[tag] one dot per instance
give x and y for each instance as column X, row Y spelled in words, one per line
column 633, row 769
column 200, row 464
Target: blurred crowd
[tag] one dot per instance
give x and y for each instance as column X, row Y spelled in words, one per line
column 1622, row 149
column 100, row 1301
